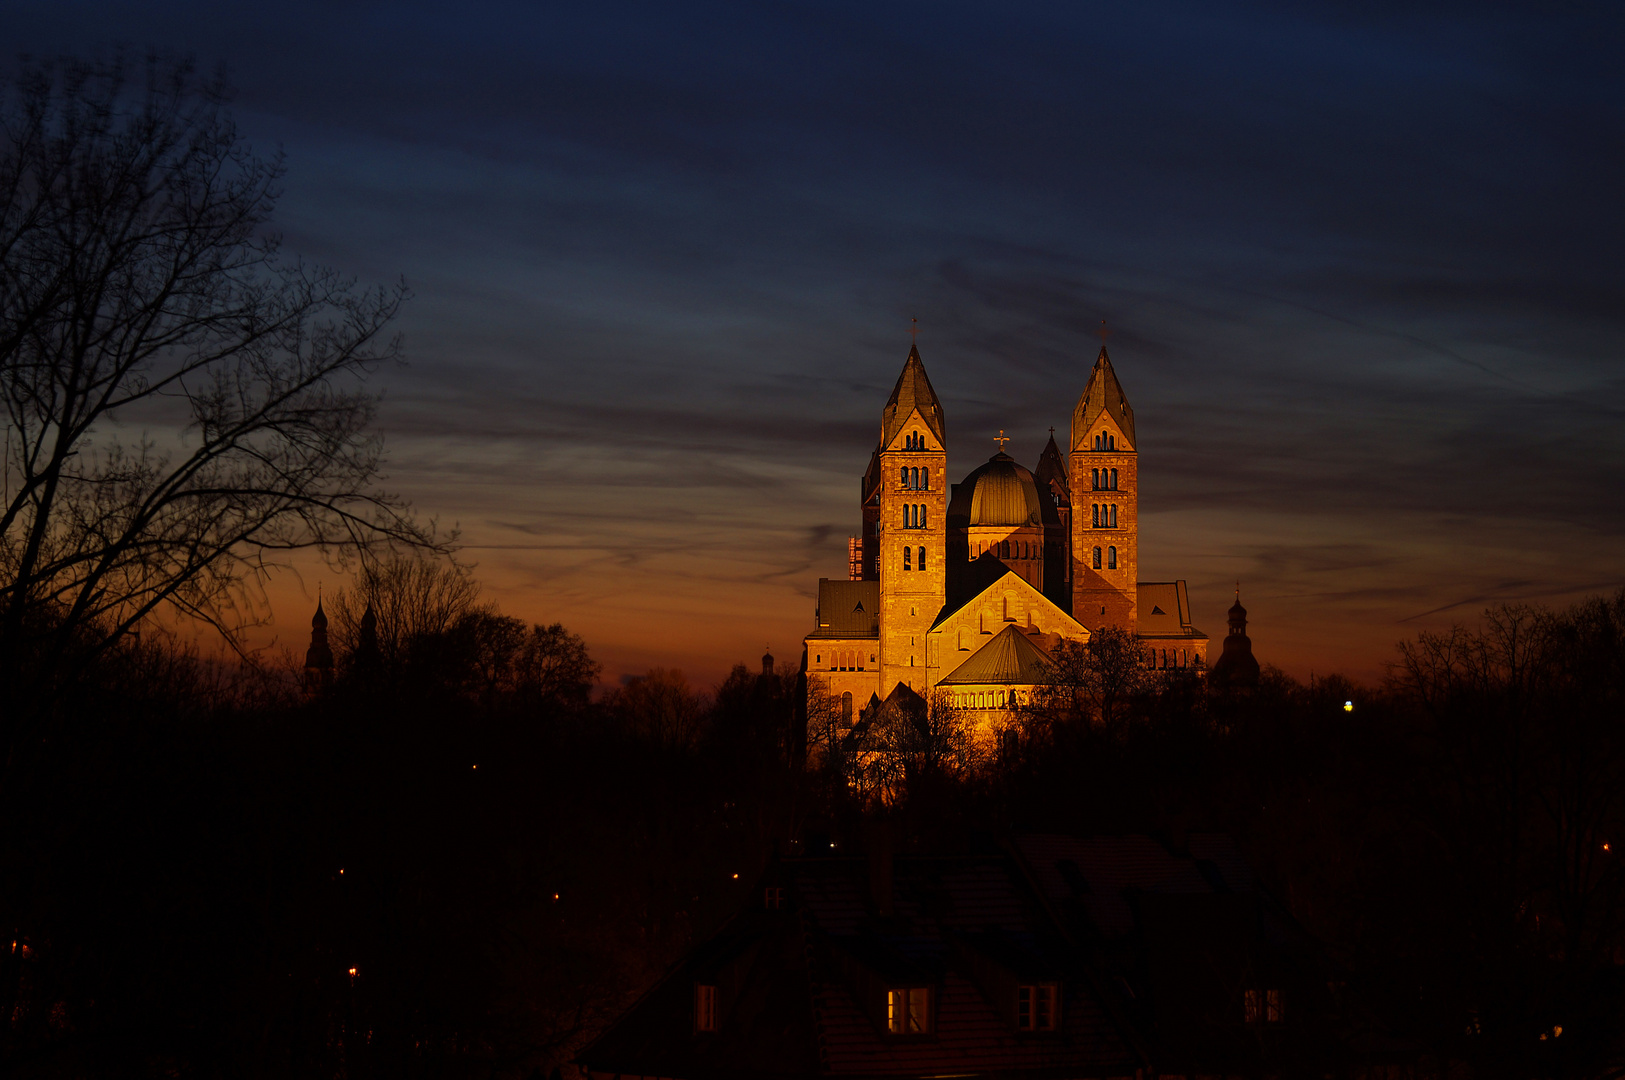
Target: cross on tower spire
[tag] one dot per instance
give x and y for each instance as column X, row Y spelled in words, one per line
column 1104, row 332
column 913, row 330
column 1001, row 440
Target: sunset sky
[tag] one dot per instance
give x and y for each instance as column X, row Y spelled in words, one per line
column 1362, row 264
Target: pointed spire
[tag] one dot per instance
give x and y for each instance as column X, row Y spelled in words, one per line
column 319, row 657
column 1051, row 471
column 1102, row 394
column 913, row 391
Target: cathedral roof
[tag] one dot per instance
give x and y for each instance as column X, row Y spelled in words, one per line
column 847, row 609
column 1002, row 492
column 1104, row 394
column 1051, row 471
column 1009, row 659
column 913, row 391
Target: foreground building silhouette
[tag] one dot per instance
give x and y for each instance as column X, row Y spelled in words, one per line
column 967, row 588
column 1049, row 957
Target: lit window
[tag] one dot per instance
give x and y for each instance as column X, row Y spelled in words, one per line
column 705, row 1007
column 908, row 1012
column 1262, row 1006
column 1035, row 1007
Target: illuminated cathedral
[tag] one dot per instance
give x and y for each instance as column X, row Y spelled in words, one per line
column 966, row 589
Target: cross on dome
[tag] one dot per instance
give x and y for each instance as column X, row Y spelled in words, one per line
column 1001, row 440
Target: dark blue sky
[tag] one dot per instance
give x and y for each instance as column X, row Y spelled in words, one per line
column 1363, row 265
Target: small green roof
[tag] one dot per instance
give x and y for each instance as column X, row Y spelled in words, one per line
column 1008, row 660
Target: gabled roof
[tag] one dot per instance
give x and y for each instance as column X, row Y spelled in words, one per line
column 1165, row 610
column 1009, row 659
column 1103, row 394
column 913, row 391
column 847, row 609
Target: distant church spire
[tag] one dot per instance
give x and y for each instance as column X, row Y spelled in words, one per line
column 1236, row 667
column 319, row 657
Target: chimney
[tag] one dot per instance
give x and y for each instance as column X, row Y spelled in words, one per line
column 882, row 867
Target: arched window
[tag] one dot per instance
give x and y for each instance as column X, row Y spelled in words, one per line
column 908, row 554
column 1114, row 515
column 914, row 478
column 922, row 558
column 925, row 479
column 1111, row 558
column 1095, row 509
column 903, row 480
column 1097, row 558
column 846, row 707
column 1095, row 476
column 1111, row 442
column 1004, row 549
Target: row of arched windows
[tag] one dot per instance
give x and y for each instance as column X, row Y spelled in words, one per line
column 1105, row 516
column 916, row 479
column 1007, row 549
column 1105, row 440
column 1111, row 558
column 1105, row 479
column 914, row 441
column 913, row 516
column 847, row 660
column 906, row 559
column 993, row 699
column 1168, row 658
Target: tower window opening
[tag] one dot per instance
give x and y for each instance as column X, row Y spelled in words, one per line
column 846, row 707
column 922, row 559
column 903, row 479
column 1114, row 515
column 1111, row 442
column 1114, row 479
column 1096, row 511
column 1111, row 558
column 1097, row 558
column 1095, row 476
column 908, row 554
column 705, row 1007
column 925, row 479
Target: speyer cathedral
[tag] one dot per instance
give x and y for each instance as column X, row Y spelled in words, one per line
column 965, row 589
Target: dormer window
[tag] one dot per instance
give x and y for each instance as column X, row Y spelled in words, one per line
column 1036, row 1007
column 908, row 1010
column 705, row 1007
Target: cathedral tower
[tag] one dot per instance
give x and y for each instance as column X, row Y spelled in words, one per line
column 907, row 491
column 1103, row 482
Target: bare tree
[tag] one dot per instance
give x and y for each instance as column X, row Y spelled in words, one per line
column 1091, row 683
column 183, row 403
